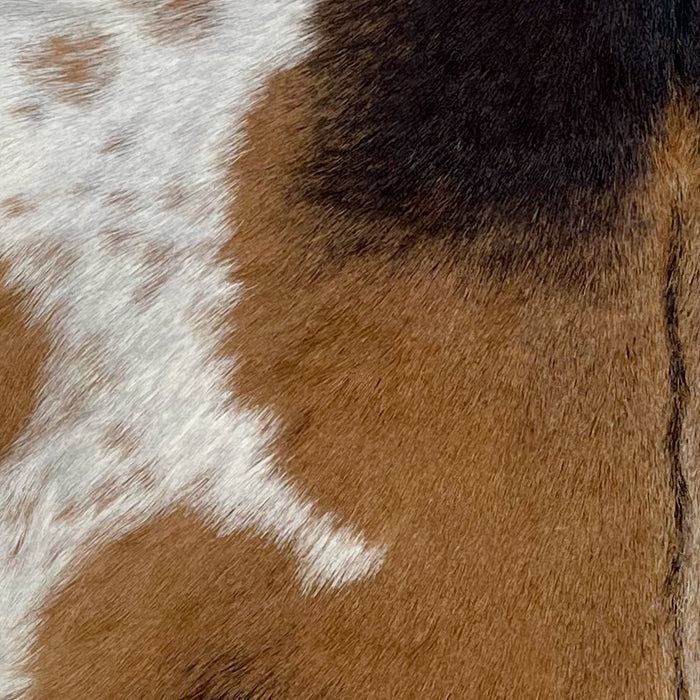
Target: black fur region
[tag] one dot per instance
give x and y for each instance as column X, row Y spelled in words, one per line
column 688, row 47
column 518, row 106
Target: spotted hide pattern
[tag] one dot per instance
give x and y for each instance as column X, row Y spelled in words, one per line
column 349, row 349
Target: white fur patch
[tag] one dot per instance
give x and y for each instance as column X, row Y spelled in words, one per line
column 124, row 359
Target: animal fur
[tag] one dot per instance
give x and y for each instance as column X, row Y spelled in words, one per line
column 350, row 349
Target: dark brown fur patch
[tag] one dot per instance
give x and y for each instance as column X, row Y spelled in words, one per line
column 530, row 109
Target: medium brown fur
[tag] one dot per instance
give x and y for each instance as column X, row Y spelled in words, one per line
column 504, row 437
column 72, row 68
column 176, row 20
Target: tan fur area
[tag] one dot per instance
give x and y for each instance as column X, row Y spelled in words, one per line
column 15, row 206
column 176, row 20
column 23, row 350
column 505, row 438
column 72, row 68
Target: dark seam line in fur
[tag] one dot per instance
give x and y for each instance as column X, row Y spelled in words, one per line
column 679, row 397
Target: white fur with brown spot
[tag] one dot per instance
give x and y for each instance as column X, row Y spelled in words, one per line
column 143, row 364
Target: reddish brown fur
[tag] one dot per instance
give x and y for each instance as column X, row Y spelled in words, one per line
column 23, row 350
column 504, row 438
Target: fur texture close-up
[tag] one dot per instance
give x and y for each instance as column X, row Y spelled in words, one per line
column 350, row 349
